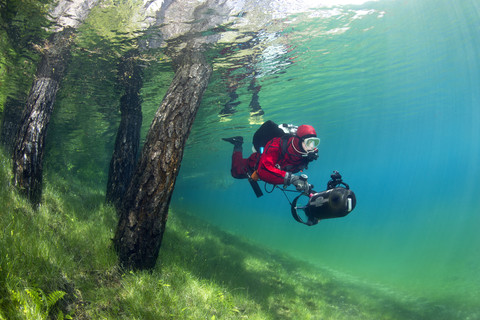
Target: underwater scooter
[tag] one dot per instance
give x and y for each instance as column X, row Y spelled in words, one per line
column 335, row 202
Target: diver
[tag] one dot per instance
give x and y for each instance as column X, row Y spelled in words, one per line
column 279, row 152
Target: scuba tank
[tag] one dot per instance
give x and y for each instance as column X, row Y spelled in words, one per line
column 269, row 130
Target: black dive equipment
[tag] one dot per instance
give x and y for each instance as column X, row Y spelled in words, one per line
column 312, row 155
column 335, row 202
column 255, row 186
column 267, row 131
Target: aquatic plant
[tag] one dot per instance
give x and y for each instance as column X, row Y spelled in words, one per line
column 35, row 304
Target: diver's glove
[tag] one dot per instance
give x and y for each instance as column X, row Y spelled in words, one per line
column 300, row 182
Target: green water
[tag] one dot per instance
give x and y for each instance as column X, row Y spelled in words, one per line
column 393, row 96
column 392, row 90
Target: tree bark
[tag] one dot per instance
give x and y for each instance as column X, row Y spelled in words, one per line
column 12, row 115
column 29, row 143
column 124, row 158
column 144, row 212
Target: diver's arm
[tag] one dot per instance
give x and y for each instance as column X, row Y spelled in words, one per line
column 267, row 171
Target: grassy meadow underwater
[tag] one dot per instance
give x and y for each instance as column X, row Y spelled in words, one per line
column 58, row 262
column 391, row 87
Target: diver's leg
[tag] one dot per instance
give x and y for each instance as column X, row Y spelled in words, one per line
column 236, row 141
column 239, row 165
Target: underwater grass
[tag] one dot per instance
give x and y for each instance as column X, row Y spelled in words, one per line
column 57, row 262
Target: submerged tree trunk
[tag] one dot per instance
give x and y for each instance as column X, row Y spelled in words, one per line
column 12, row 115
column 124, row 158
column 29, row 143
column 145, row 207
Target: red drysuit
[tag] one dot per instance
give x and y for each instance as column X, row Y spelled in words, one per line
column 272, row 167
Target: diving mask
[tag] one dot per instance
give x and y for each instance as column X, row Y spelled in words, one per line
column 310, row 144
